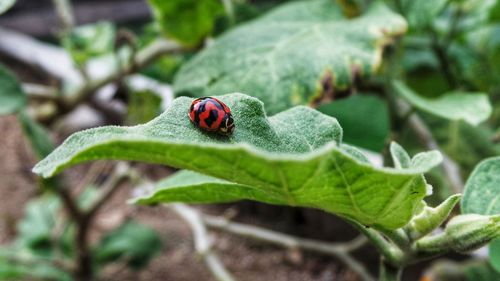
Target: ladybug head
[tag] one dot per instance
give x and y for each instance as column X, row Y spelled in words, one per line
column 227, row 125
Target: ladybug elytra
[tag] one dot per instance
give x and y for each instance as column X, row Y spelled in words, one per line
column 212, row 115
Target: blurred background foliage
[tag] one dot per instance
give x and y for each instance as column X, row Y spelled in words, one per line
column 449, row 46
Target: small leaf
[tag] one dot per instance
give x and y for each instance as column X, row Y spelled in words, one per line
column 473, row 108
column 132, row 242
column 482, row 196
column 143, row 106
column 5, row 5
column 89, row 41
column 365, row 120
column 421, row 14
column 494, row 251
column 426, row 159
column 35, row 229
column 294, row 157
column 188, row 21
column 12, row 97
column 31, row 270
column 400, row 157
column 297, row 54
column 37, row 135
column 482, row 189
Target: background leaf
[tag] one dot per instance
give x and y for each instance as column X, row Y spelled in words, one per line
column 132, row 242
column 37, row 135
column 329, row 52
column 293, row 157
column 188, row 21
column 33, row 271
column 89, row 41
column 482, row 189
column 143, row 106
column 365, row 120
column 421, row 14
column 482, row 196
column 35, row 229
column 400, row 157
column 473, row 108
column 494, row 251
column 12, row 97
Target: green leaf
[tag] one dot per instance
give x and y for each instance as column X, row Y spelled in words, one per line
column 482, row 189
column 297, row 54
column 482, row 196
column 133, row 242
column 294, row 157
column 400, row 157
column 421, row 14
column 494, row 251
column 89, row 41
column 5, row 5
column 365, row 120
column 143, row 106
column 12, row 97
column 188, row 21
column 31, row 271
column 35, row 229
column 473, row 108
column 37, row 135
column 191, row 187
column 480, row 272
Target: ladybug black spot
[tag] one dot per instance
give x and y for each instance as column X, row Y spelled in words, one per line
column 212, row 117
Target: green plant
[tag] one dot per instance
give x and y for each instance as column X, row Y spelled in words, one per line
column 425, row 71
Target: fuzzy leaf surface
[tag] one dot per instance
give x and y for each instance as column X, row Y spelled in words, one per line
column 482, row 189
column 294, row 158
column 482, row 196
column 297, row 54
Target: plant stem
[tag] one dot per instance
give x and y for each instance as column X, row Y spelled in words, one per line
column 83, row 270
column 64, row 12
column 389, row 272
column 338, row 250
column 202, row 243
column 142, row 58
column 389, row 251
column 84, row 259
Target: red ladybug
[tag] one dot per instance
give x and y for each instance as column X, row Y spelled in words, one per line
column 212, row 115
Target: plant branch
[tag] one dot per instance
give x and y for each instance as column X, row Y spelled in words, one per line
column 337, row 250
column 42, row 92
column 65, row 14
column 391, row 253
column 202, row 244
column 119, row 174
column 140, row 60
column 387, row 272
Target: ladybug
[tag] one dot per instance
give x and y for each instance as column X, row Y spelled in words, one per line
column 212, row 115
